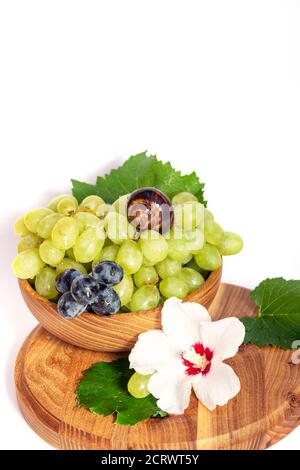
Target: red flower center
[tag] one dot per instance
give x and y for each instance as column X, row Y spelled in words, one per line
column 197, row 359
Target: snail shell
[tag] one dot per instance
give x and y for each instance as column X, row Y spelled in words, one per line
column 150, row 209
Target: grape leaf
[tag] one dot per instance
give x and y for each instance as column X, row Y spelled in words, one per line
column 81, row 190
column 103, row 390
column 137, row 172
column 278, row 320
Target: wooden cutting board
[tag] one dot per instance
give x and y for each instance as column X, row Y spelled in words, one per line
column 266, row 410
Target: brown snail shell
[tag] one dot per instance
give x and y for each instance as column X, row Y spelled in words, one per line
column 150, row 209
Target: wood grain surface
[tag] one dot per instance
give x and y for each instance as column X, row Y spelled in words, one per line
column 266, row 409
column 95, row 332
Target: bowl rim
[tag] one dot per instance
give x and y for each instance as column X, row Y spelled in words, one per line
column 38, row 299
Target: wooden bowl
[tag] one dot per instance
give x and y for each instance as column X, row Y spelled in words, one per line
column 114, row 334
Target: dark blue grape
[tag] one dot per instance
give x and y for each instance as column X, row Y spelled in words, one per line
column 64, row 280
column 67, row 306
column 85, row 289
column 89, row 309
column 108, row 273
column 107, row 303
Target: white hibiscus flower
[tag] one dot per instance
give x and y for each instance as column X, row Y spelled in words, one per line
column 188, row 354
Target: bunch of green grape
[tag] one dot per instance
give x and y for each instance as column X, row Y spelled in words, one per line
column 68, row 235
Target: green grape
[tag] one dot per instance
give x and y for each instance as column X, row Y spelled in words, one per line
column 108, row 253
column 153, row 246
column 87, row 246
column 65, row 233
column 125, row 289
column 100, row 232
column 207, row 215
column 137, row 385
column 50, row 254
column 147, row 263
column 173, row 287
column 102, row 210
column 189, row 216
column 192, row 278
column 120, row 205
column 209, row 258
column 177, row 249
column 117, row 228
column 185, row 242
column 193, row 241
column 214, row 234
column 144, row 298
column 27, row 264
column 46, row 225
column 182, row 198
column 192, row 264
column 20, row 228
column 29, row 241
column 182, row 256
column 168, row 267
column 45, row 283
column 67, row 205
column 86, row 220
column 91, row 204
column 176, row 240
column 68, row 263
column 146, row 275
column 54, row 202
column 129, row 257
column 32, row 218
column 231, row 244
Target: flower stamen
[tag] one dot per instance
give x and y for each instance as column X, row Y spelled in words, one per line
column 197, row 359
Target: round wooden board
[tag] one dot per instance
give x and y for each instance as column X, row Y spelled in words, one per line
column 266, row 409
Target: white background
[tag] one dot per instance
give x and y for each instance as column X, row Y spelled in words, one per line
column 212, row 86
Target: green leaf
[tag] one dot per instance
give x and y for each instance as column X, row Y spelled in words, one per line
column 278, row 320
column 137, row 172
column 103, row 390
column 82, row 190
